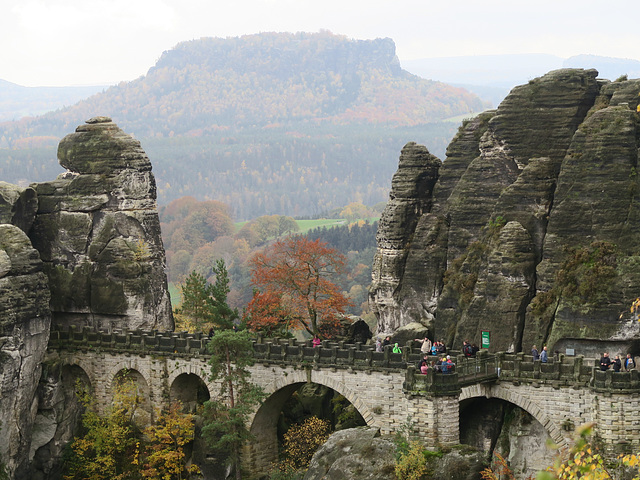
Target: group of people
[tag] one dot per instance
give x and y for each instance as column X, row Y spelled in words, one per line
column 542, row 356
column 435, row 348
column 616, row 364
column 444, row 364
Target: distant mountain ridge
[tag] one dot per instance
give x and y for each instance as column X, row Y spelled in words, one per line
column 492, row 76
column 273, row 123
column 17, row 101
column 203, row 85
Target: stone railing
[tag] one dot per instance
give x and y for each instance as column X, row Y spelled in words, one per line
column 566, row 371
column 329, row 354
column 134, row 341
column 515, row 368
column 465, row 371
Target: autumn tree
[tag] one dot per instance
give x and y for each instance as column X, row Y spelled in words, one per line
column 165, row 457
column 226, row 414
column 110, row 447
column 355, row 211
column 293, row 278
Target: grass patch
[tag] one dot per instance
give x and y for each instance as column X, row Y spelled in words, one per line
column 174, row 295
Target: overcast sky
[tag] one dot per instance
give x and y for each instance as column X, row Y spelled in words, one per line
column 103, row 42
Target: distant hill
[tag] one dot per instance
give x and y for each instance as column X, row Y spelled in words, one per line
column 491, row 77
column 271, row 123
column 608, row 67
column 17, row 101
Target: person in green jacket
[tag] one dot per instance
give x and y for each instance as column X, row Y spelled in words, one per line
column 397, row 349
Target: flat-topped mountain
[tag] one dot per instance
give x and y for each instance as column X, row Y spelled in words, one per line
column 293, row 124
column 211, row 83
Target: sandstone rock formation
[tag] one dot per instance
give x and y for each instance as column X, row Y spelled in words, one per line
column 24, row 332
column 18, row 206
column 98, row 233
column 354, row 453
column 361, row 453
column 93, row 256
column 528, row 229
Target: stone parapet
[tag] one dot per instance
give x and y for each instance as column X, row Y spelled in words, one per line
column 578, row 372
column 131, row 341
column 517, row 368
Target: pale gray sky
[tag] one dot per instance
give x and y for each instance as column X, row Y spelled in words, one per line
column 101, row 42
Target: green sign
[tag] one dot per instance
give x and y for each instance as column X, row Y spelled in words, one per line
column 485, row 339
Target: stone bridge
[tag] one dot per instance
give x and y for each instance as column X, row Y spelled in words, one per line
column 385, row 387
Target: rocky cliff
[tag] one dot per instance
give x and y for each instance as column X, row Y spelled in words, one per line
column 84, row 249
column 98, row 233
column 24, row 332
column 528, row 229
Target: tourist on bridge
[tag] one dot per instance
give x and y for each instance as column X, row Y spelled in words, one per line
column 467, row 349
column 534, row 353
column 378, row 345
column 426, row 345
column 617, row 364
column 629, row 363
column 447, row 365
column 316, row 341
column 605, row 362
column 544, row 356
column 396, row 348
column 424, row 365
column 424, row 359
column 387, row 341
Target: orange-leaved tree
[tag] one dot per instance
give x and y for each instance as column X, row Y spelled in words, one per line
column 294, row 285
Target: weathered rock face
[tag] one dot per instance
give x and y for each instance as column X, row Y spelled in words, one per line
column 25, row 321
column 531, row 228
column 98, row 233
column 410, row 198
column 360, row 453
column 354, row 453
column 493, row 425
column 18, row 206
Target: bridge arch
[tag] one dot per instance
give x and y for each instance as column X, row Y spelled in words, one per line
column 522, row 401
column 190, row 390
column 144, row 414
column 82, row 367
column 264, row 449
column 188, row 368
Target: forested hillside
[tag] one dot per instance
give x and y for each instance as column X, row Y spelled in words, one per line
column 198, row 234
column 270, row 123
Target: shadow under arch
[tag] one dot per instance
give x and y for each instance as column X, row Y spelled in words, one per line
column 263, row 451
column 75, row 383
column 479, row 391
column 190, row 390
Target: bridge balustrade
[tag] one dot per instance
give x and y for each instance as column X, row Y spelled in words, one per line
column 566, row 371
column 329, row 354
column 141, row 342
column 511, row 367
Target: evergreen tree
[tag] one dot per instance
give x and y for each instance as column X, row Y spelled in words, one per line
column 226, row 414
column 204, row 303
